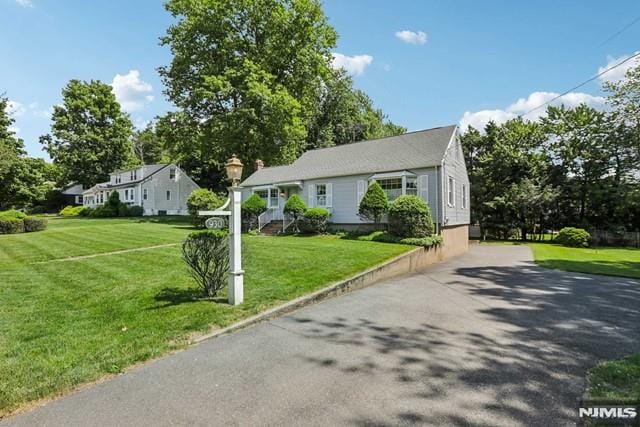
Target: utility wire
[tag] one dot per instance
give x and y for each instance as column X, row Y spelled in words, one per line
column 635, row 55
column 622, row 30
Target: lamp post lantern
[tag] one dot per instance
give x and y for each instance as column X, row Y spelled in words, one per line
column 236, row 274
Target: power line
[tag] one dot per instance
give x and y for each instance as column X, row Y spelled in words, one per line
column 622, row 30
column 635, row 55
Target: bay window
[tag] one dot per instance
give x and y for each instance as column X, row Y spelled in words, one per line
column 391, row 186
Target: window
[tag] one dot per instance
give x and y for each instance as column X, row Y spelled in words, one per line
column 172, row 173
column 451, row 191
column 126, row 194
column 263, row 194
column 273, row 197
column 144, row 194
column 118, row 179
column 168, row 194
column 134, row 175
column 391, row 186
column 78, row 200
column 412, row 186
column 464, row 196
column 321, row 195
column 131, row 194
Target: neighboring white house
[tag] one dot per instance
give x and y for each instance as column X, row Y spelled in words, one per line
column 73, row 194
column 160, row 189
column 428, row 163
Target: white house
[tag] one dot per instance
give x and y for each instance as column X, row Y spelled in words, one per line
column 160, row 189
column 428, row 163
column 72, row 194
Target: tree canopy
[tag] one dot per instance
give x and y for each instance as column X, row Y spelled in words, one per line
column 90, row 135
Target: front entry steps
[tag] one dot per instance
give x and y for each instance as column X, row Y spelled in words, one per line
column 271, row 229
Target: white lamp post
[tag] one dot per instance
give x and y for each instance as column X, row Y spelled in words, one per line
column 236, row 274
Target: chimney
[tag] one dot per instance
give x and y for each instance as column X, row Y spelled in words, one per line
column 258, row 164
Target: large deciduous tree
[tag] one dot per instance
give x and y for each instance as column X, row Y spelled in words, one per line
column 254, row 78
column 90, row 134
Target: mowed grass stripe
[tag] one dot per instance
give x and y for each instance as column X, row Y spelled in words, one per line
column 63, row 324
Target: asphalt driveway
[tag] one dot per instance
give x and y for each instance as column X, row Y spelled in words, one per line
column 487, row 338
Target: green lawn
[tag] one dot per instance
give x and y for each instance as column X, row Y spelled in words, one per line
column 618, row 380
column 66, row 322
column 624, row 262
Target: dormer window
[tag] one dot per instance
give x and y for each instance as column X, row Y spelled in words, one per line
column 134, row 175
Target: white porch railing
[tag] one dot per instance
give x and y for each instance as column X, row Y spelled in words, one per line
column 271, row 214
column 286, row 222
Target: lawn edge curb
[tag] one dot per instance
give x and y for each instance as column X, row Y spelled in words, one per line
column 402, row 264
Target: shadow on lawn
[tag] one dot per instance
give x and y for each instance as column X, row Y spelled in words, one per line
column 521, row 357
column 175, row 296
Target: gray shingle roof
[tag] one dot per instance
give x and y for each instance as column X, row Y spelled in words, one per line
column 412, row 150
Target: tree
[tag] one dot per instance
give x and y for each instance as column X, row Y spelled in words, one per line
column 248, row 72
column 23, row 180
column 374, row 204
column 202, row 199
column 90, row 135
column 147, row 146
column 346, row 115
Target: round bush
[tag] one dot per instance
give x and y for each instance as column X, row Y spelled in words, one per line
column 573, row 237
column 123, row 210
column 315, row 221
column 296, row 207
column 11, row 225
column 409, row 216
column 34, row 223
column 252, row 208
column 202, row 200
column 103, row 211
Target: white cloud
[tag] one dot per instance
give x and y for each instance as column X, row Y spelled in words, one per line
column 14, row 129
column 618, row 73
column 412, row 37
column 14, row 108
column 43, row 113
column 131, row 92
column 25, row 3
column 479, row 119
column 353, row 64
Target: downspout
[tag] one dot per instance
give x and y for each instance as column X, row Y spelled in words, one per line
column 437, row 205
column 442, row 189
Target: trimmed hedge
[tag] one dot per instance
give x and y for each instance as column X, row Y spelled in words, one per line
column 384, row 237
column 12, row 213
column 409, row 216
column 10, row 225
column 251, row 210
column 202, row 199
column 34, row 223
column 73, row 211
column 314, row 221
column 573, row 237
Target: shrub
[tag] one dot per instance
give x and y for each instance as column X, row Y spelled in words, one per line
column 573, row 237
column 409, row 216
column 123, row 210
column 34, row 223
column 383, row 236
column 103, row 211
column 251, row 210
column 374, row 204
column 85, row 211
column 10, row 225
column 135, row 210
column 114, row 201
column 315, row 221
column 72, row 211
column 12, row 213
column 202, row 200
column 207, row 256
column 295, row 207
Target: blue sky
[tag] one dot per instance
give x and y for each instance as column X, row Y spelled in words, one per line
column 425, row 63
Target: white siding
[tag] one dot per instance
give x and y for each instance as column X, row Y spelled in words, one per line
column 157, row 187
column 454, row 166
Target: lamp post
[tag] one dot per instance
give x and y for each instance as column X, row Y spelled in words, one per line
column 236, row 274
